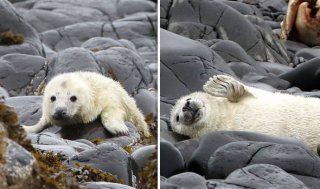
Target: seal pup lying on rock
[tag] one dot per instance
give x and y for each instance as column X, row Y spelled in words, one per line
column 81, row 97
column 227, row 104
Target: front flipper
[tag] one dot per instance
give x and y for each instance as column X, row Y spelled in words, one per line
column 42, row 124
column 113, row 122
column 225, row 86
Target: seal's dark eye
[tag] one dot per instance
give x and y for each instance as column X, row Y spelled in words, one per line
column 177, row 118
column 73, row 98
column 53, row 98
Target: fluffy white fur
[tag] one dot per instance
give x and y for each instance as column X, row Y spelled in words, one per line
column 228, row 104
column 96, row 95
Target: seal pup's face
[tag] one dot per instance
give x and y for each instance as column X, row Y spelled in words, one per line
column 64, row 99
column 187, row 114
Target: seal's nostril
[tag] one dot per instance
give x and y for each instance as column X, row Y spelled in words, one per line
column 188, row 103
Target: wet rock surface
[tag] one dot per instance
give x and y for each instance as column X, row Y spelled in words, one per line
column 200, row 39
column 41, row 39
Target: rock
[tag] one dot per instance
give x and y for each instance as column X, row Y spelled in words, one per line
column 297, row 76
column 126, row 66
column 63, row 150
column 141, row 156
column 18, row 166
column 3, row 93
column 216, row 16
column 187, row 180
column 187, row 147
column 22, row 74
column 171, row 159
column 211, row 142
column 95, row 130
column 261, row 176
column 45, row 138
column 104, row 185
column 97, row 44
column 147, row 101
column 28, row 108
column 73, row 59
column 275, row 68
column 310, row 182
column 186, row 65
column 244, row 8
column 271, row 80
column 41, row 140
column 45, row 15
column 294, row 46
column 13, row 22
column 290, row 158
column 308, row 53
column 76, row 34
column 106, row 157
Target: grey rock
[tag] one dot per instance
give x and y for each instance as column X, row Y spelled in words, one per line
column 126, row 66
column 141, row 156
column 84, row 141
column 22, row 74
column 133, row 136
column 294, row 46
column 28, row 108
column 18, row 166
column 12, row 21
column 308, row 53
column 171, row 159
column 261, row 176
column 220, row 184
column 187, row 147
column 310, row 182
column 187, row 180
column 186, row 65
column 106, row 157
column 45, row 138
column 211, row 142
column 104, row 185
column 216, row 16
column 64, row 150
column 147, row 101
column 45, row 15
column 75, row 35
column 244, row 8
column 3, row 93
column 275, row 68
column 164, row 185
column 270, row 80
column 96, row 44
column 291, row 158
column 73, row 59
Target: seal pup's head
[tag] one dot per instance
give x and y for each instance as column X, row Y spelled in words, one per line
column 64, row 97
column 188, row 115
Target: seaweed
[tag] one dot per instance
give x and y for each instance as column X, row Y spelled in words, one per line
column 148, row 175
column 11, row 38
column 97, row 141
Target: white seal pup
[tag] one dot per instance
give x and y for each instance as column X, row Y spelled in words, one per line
column 227, row 104
column 81, row 97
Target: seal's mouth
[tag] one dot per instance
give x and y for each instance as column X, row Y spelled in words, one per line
column 191, row 113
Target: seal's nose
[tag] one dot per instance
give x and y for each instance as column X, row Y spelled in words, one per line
column 60, row 113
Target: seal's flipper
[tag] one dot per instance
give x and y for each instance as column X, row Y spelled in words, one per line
column 225, row 86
